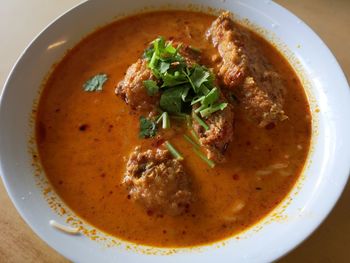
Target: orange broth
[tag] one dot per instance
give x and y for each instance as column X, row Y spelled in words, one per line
column 84, row 138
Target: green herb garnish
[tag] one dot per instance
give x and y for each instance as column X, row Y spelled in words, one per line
column 188, row 138
column 166, row 121
column 198, row 78
column 195, row 136
column 164, row 117
column 181, row 85
column 196, row 148
column 173, row 151
column 148, row 128
column 211, row 109
column 204, row 158
column 171, row 100
column 200, row 121
column 95, row 83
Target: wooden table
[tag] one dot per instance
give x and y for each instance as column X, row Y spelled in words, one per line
column 20, row 21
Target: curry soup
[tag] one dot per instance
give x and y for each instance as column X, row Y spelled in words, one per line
column 85, row 138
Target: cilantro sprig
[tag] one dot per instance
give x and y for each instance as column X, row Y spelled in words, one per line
column 148, row 128
column 187, row 92
column 95, row 83
column 181, row 85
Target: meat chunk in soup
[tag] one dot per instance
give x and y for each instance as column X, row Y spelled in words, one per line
column 158, row 182
column 261, row 106
column 132, row 90
column 216, row 139
column 246, row 72
column 227, row 39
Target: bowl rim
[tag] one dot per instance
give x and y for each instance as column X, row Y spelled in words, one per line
column 326, row 211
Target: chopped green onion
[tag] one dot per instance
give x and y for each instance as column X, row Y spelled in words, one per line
column 159, row 118
column 197, row 100
column 200, row 121
column 187, row 138
column 164, row 117
column 204, row 89
column 201, row 108
column 211, row 97
column 195, row 137
column 206, row 112
column 173, row 151
column 204, row 158
column 166, row 121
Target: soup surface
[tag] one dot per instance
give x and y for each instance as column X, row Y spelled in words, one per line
column 85, row 139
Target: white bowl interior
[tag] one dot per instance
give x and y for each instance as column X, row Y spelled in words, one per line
column 324, row 178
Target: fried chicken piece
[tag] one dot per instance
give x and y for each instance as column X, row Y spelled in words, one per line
column 159, row 182
column 132, row 90
column 246, row 72
column 227, row 39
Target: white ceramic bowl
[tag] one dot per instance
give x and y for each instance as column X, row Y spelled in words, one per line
column 321, row 184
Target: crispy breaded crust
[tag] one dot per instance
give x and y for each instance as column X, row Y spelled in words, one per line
column 158, row 182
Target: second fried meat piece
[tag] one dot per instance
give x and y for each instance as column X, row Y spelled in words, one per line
column 132, row 90
column 227, row 39
column 159, row 182
column 246, row 72
column 216, row 139
column 262, row 107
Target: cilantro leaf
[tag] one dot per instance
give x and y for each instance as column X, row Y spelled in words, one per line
column 163, row 67
column 95, row 83
column 148, row 128
column 198, row 77
column 171, row 80
column 151, row 86
column 171, row 100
